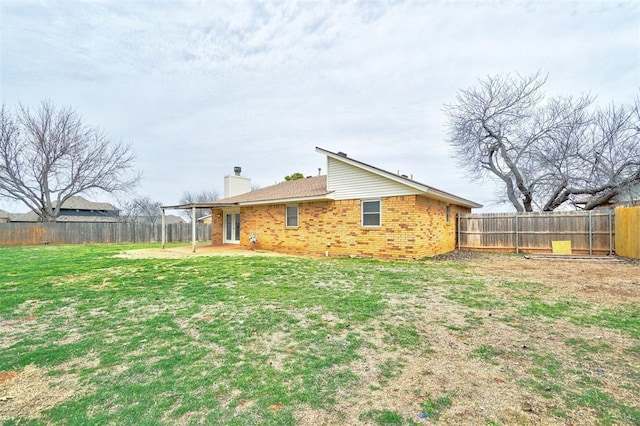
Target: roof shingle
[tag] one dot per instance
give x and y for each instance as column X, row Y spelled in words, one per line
column 80, row 203
column 299, row 188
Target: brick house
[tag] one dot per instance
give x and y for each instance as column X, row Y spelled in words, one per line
column 355, row 209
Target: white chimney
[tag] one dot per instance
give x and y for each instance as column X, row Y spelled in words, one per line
column 236, row 184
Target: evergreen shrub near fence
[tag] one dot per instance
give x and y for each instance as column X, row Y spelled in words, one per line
column 16, row 234
column 590, row 232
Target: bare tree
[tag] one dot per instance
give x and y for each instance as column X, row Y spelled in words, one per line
column 545, row 153
column 49, row 155
column 199, row 197
column 141, row 210
column 612, row 151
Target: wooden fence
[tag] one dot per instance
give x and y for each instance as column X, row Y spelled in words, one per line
column 628, row 232
column 590, row 232
column 16, row 234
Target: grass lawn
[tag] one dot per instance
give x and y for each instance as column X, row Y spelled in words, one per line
column 87, row 337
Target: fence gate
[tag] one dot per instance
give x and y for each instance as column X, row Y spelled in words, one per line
column 628, row 232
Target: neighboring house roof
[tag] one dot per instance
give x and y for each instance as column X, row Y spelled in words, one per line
column 102, row 212
column 170, row 219
column 80, row 203
column 627, row 196
column 206, row 218
column 23, row 217
column 33, row 217
column 94, row 219
column 319, row 187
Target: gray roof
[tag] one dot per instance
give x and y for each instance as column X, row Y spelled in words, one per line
column 80, row 203
column 73, row 203
column 33, row 217
column 169, row 219
column 172, row 218
column 23, row 217
column 93, row 219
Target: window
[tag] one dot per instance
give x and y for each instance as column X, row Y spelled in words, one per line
column 448, row 213
column 371, row 213
column 292, row 217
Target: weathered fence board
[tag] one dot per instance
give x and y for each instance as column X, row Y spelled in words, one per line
column 590, row 232
column 628, row 232
column 15, row 234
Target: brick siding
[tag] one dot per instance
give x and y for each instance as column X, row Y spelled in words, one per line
column 216, row 227
column 412, row 227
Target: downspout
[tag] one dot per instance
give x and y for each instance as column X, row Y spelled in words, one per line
column 458, row 239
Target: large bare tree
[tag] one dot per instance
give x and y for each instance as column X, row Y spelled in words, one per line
column 199, row 197
column 49, row 155
column 546, row 153
column 141, row 210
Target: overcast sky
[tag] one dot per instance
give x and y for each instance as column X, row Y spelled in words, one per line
column 198, row 87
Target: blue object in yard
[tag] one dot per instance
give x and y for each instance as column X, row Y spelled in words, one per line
column 423, row 415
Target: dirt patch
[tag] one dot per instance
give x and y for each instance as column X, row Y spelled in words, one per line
column 601, row 283
column 183, row 252
column 29, row 392
column 5, row 376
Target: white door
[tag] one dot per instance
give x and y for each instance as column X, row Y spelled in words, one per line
column 232, row 226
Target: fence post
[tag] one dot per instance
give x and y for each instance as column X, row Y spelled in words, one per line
column 610, row 232
column 517, row 235
column 590, row 236
column 164, row 234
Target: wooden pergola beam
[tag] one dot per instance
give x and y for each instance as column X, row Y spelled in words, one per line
column 192, row 207
column 193, row 228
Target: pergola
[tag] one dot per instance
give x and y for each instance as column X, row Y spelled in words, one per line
column 193, row 207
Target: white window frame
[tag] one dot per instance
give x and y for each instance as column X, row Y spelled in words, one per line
column 379, row 213
column 286, row 216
